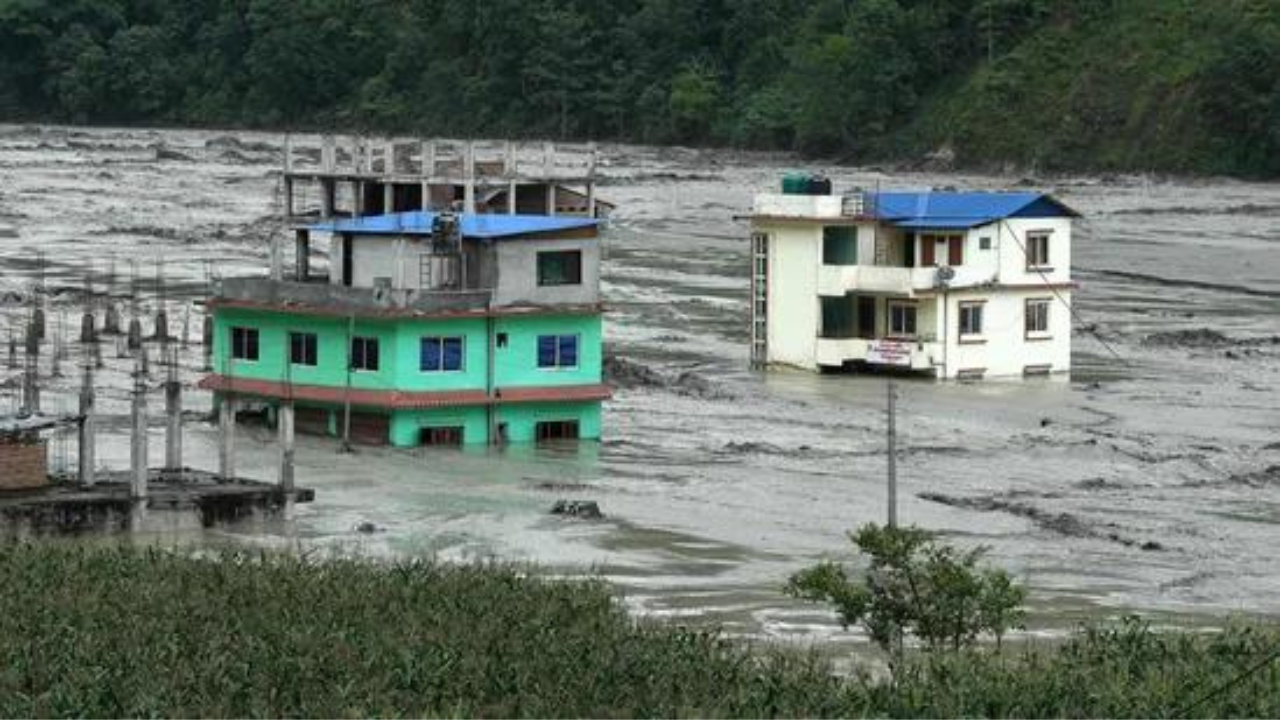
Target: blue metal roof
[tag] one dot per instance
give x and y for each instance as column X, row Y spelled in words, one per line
column 961, row 210
column 418, row 222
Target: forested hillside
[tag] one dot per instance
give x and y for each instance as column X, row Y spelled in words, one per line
column 1165, row 85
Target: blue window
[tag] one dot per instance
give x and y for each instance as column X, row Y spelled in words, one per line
column 557, row 351
column 441, row 354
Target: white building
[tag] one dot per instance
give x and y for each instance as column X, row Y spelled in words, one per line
column 953, row 284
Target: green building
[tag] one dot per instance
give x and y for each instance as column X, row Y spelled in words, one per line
column 428, row 328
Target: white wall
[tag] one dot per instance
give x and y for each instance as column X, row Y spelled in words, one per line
column 1004, row 349
column 518, row 273
column 795, row 254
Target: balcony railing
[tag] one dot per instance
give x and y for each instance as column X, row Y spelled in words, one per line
column 343, row 300
column 837, row 280
column 907, row 354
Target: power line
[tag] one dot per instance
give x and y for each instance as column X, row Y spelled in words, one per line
column 1275, row 655
column 1070, row 308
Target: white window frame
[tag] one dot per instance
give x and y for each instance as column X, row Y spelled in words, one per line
column 1044, row 334
column 967, row 307
column 1034, row 261
column 351, row 353
column 257, row 332
column 915, row 319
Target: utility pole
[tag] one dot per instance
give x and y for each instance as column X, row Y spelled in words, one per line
column 892, row 432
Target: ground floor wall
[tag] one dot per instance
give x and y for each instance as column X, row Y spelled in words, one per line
column 517, row 423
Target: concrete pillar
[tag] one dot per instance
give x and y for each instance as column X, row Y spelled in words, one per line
column 31, row 373
column 302, row 253
column 548, row 159
column 429, row 159
column 288, row 197
column 551, row 198
column 162, row 324
column 226, row 438
column 357, row 203
column 207, row 342
column 328, row 196
column 135, row 333
column 592, row 153
column 426, row 196
column 389, row 198
column 591, row 200
column 138, row 449
column 87, row 450
column 285, row 424
column 276, row 258
column 111, row 323
column 512, row 189
column 328, row 153
column 88, row 328
column 173, row 419
column 469, row 172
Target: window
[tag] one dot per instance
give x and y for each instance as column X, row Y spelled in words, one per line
column 244, row 343
column 302, row 349
column 1038, row 251
column 839, row 245
column 438, row 436
column 837, row 317
column 502, row 340
column 933, row 248
column 556, row 430
column 1037, row 317
column 441, row 354
column 364, row 354
column 561, row 267
column 970, row 319
column 984, row 243
column 902, row 319
column 557, row 351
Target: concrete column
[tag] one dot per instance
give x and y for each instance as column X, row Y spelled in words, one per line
column 469, row 171
column 87, row 450
column 397, row 269
column 284, row 424
column 138, row 449
column 429, row 159
column 591, row 200
column 357, row 203
column 592, row 153
column 173, row 417
column 328, row 197
column 389, row 198
column 302, row 252
column 226, row 438
column 551, row 198
column 277, row 259
column 512, row 188
column 548, row 159
column 328, row 153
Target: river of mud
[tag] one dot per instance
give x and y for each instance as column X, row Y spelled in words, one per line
column 1149, row 481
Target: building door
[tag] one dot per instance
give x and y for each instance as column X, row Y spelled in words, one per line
column 955, row 250
column 866, row 317
column 311, row 421
column 370, row 428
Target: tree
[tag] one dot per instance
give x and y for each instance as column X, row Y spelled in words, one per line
column 916, row 586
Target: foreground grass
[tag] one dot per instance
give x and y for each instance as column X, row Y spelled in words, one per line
column 92, row 632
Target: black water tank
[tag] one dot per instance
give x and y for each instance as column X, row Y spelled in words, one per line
column 819, row 185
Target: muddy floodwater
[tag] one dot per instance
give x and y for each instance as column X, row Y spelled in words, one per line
column 1148, row 481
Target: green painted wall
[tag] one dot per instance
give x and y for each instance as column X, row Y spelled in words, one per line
column 406, row 425
column 516, row 365
column 522, row 419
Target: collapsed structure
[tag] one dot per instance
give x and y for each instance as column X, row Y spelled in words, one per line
column 950, row 284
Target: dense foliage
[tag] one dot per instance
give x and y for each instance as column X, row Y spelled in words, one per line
column 93, row 632
column 916, row 586
column 1147, row 84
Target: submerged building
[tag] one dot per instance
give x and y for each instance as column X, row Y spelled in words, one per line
column 429, row 328
column 949, row 284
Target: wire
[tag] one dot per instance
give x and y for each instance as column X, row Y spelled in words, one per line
column 1070, row 308
column 1275, row 655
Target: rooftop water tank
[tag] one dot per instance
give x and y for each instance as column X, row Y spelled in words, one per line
column 805, row 184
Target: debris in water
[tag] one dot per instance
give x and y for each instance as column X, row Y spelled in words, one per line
column 367, row 528
column 585, row 509
column 1061, row 523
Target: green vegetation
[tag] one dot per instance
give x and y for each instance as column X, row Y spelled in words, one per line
column 1165, row 85
column 916, row 586
column 94, row 632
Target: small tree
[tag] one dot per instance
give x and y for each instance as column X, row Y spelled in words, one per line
column 916, row 585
